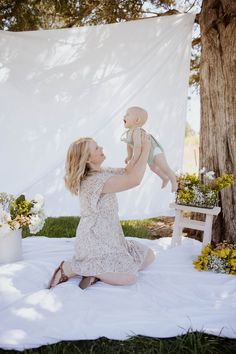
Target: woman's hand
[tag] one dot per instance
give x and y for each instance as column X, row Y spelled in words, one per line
column 127, row 160
column 145, row 141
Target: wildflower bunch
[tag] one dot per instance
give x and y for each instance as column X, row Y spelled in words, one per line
column 16, row 213
column 220, row 258
column 201, row 190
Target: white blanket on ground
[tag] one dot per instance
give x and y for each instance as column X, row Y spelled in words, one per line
column 58, row 85
column 169, row 298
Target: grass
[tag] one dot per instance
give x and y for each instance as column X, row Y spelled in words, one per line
column 190, row 343
column 65, row 226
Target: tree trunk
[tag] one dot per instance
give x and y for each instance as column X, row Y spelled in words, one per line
column 218, row 110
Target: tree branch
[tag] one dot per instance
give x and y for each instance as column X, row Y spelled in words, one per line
column 167, row 13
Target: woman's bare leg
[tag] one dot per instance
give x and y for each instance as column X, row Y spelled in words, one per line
column 115, row 278
column 161, row 162
column 150, row 257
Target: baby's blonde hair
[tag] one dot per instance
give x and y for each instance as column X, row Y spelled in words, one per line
column 140, row 113
column 76, row 166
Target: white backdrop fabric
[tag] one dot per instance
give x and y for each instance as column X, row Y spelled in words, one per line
column 59, row 85
column 169, row 298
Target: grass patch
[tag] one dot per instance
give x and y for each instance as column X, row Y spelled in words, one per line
column 65, row 226
column 190, row 343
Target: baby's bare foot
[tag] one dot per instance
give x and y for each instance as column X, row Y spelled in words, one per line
column 164, row 182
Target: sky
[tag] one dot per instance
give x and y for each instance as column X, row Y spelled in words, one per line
column 193, row 111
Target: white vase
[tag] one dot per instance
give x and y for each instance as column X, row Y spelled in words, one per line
column 11, row 246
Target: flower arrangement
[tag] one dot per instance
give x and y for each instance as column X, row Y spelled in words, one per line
column 16, row 213
column 201, row 190
column 220, row 258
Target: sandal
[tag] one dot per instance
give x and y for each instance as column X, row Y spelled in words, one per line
column 87, row 281
column 62, row 279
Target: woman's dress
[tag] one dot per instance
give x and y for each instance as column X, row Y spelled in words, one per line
column 100, row 245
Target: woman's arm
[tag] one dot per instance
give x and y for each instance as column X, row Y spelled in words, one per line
column 132, row 177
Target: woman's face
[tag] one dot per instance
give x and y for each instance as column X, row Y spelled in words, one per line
column 96, row 156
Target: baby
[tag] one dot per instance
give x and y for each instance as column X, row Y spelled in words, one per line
column 134, row 119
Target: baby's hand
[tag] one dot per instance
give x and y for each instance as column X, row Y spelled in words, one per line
column 127, row 160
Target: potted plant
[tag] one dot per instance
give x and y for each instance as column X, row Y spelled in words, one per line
column 201, row 190
column 15, row 215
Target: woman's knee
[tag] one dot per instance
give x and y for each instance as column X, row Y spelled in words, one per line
column 132, row 279
column 150, row 257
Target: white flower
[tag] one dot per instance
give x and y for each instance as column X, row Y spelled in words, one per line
column 210, row 174
column 36, row 224
column 39, row 199
column 178, row 173
column 203, row 170
column 36, row 208
column 4, row 216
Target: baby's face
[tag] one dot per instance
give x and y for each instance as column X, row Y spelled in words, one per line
column 130, row 119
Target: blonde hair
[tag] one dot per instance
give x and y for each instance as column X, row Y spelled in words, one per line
column 140, row 113
column 77, row 167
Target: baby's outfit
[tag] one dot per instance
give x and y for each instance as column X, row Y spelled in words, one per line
column 155, row 148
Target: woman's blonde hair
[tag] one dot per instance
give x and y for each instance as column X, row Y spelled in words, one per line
column 77, row 167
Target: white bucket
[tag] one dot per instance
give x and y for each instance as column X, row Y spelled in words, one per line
column 11, row 246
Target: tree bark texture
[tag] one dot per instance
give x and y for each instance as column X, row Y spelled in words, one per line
column 218, row 110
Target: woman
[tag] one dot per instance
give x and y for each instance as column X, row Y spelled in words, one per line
column 101, row 252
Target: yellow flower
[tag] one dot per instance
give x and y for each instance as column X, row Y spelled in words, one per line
column 232, row 262
column 233, row 253
column 206, row 250
column 223, row 253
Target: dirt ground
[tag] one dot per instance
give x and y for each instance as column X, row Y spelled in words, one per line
column 164, row 228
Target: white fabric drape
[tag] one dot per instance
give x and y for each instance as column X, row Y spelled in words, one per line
column 58, row 85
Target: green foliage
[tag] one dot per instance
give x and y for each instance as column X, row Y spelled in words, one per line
column 25, row 15
column 21, row 206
